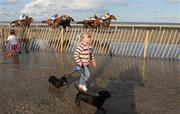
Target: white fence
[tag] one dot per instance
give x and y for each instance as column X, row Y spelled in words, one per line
column 137, row 41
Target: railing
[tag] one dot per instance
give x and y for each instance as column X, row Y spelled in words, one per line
column 134, row 41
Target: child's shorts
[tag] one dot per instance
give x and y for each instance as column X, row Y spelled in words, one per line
column 14, row 46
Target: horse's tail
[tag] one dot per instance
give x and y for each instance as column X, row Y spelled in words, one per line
column 13, row 22
column 44, row 21
column 80, row 22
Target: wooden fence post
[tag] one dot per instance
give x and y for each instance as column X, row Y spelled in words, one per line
column 146, row 44
column 62, row 40
column 3, row 42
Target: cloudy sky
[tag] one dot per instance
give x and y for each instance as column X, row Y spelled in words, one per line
column 165, row 11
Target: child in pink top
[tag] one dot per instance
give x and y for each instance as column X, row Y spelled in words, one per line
column 13, row 42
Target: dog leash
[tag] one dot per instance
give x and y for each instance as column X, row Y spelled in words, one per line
column 69, row 73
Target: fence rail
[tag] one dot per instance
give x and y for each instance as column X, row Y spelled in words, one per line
column 135, row 41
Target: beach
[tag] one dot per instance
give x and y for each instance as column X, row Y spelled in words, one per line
column 136, row 86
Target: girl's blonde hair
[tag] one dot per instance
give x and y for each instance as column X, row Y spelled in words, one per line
column 85, row 33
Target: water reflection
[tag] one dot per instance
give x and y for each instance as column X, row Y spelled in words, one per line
column 25, row 88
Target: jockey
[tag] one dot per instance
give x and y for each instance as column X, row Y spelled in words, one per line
column 64, row 17
column 54, row 17
column 95, row 17
column 92, row 18
column 22, row 17
column 107, row 15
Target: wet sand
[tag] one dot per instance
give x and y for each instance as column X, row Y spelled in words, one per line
column 24, row 87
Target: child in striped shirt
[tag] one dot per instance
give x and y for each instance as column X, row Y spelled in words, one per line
column 84, row 56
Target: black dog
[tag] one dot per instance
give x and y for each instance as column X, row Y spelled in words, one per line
column 96, row 101
column 58, row 82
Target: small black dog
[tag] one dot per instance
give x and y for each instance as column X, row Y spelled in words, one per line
column 58, row 82
column 96, row 101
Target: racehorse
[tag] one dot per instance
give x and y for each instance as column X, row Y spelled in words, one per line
column 59, row 21
column 49, row 22
column 91, row 23
column 66, row 22
column 22, row 23
column 53, row 24
column 106, row 22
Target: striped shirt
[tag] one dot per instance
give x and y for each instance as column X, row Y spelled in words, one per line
column 84, row 55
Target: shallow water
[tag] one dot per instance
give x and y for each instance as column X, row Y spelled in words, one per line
column 25, row 89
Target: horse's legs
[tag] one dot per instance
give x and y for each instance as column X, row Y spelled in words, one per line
column 64, row 27
column 70, row 26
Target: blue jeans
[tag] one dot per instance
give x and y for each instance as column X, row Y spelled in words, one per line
column 85, row 74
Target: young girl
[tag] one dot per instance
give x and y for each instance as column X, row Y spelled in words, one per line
column 13, row 43
column 83, row 57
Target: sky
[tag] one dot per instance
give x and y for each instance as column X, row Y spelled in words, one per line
column 160, row 11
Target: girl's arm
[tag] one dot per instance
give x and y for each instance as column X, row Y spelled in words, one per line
column 77, row 55
column 93, row 58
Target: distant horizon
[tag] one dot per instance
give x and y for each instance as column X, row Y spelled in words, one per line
column 114, row 22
